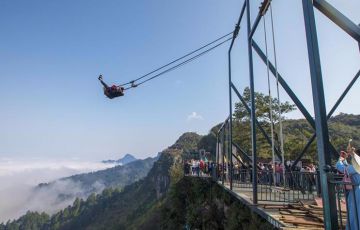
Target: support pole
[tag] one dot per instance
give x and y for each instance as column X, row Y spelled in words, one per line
column 252, row 96
column 229, row 156
column 236, row 31
column 322, row 133
column 223, row 156
column 230, row 123
column 217, row 158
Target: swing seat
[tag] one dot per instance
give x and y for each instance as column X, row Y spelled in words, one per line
column 113, row 93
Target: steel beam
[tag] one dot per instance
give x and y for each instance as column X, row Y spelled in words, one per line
column 338, row 18
column 323, row 144
column 268, row 139
column 312, row 138
column 217, row 158
column 237, row 158
column 223, row 124
column 223, row 156
column 236, row 31
column 230, row 113
column 291, row 94
column 285, row 86
column 248, row 159
column 255, row 25
column 252, row 96
column 341, row 98
column 244, row 154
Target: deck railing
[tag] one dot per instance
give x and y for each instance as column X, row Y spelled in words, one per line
column 296, row 186
column 274, row 187
column 347, row 202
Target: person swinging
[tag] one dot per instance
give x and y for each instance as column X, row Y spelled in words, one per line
column 113, row 91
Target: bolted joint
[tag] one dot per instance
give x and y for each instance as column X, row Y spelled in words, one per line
column 236, row 31
column 133, row 85
column 264, row 7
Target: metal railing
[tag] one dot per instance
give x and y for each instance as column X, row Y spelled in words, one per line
column 274, row 187
column 295, row 186
column 347, row 202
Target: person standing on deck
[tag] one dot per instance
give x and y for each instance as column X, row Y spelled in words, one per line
column 312, row 171
column 197, row 167
column 352, row 196
column 277, row 174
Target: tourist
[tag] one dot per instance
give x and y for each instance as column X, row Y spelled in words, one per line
column 202, row 167
column 197, row 167
column 243, row 170
column 193, row 167
column 310, row 177
column 270, row 173
column 353, row 195
column 186, row 168
column 277, row 174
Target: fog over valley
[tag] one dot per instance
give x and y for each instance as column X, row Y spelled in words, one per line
column 19, row 180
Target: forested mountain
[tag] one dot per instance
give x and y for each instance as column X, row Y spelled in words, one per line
column 56, row 195
column 296, row 134
column 135, row 207
column 117, row 176
column 157, row 200
column 64, row 191
column 165, row 200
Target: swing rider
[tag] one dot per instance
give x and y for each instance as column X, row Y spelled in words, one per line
column 113, row 91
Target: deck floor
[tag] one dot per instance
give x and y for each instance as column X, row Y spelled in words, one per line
column 283, row 215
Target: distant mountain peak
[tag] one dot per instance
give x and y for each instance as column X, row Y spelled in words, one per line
column 126, row 159
column 123, row 161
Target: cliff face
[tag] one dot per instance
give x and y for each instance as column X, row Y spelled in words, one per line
column 197, row 203
column 164, row 199
column 129, row 208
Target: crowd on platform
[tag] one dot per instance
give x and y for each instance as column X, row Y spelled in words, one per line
column 200, row 167
column 304, row 177
column 307, row 178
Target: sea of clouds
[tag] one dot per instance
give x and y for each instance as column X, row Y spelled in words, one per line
column 19, row 179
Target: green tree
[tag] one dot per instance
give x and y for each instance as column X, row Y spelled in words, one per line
column 262, row 104
column 241, row 121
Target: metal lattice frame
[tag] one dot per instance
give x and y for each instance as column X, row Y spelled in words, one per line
column 319, row 124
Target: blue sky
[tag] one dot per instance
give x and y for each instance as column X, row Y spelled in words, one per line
column 51, row 53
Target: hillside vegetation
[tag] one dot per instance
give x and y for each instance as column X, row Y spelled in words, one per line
column 129, row 208
column 164, row 199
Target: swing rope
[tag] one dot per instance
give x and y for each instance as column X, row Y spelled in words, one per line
column 270, row 100
column 216, row 43
column 278, row 97
column 182, row 63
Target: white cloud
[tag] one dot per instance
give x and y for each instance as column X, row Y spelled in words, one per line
column 19, row 178
column 194, row 116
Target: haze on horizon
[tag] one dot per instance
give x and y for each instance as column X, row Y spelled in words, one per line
column 52, row 105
